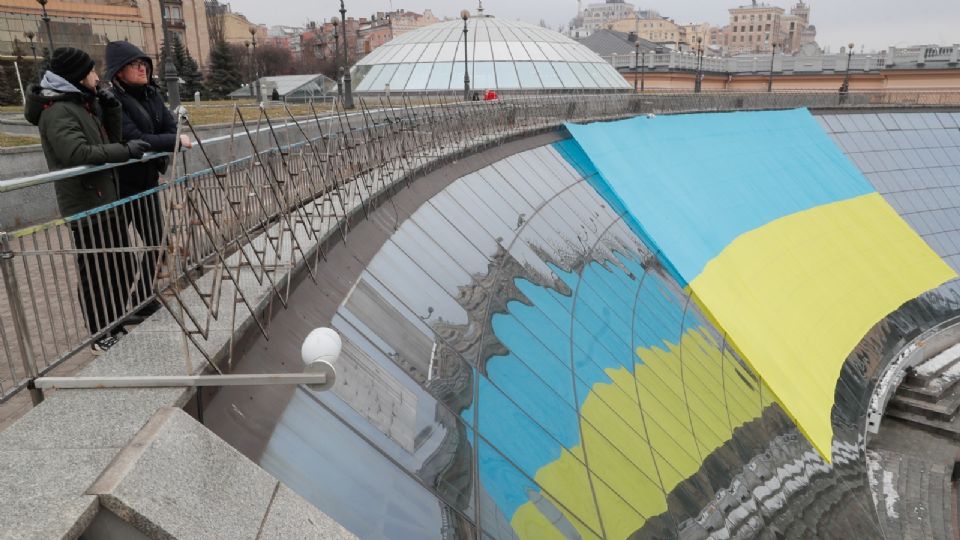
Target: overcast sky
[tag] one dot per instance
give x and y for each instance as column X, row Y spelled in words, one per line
column 875, row 24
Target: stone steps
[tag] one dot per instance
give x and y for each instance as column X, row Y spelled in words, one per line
column 944, row 408
column 948, row 428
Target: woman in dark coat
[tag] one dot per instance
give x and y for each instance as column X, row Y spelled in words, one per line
column 145, row 117
column 81, row 126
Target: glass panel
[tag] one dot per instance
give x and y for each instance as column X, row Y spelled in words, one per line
column 550, row 52
column 548, row 77
column 598, row 75
column 482, row 51
column 582, row 74
column 483, row 76
column 419, row 77
column 517, row 50
column 414, row 53
column 528, row 75
column 534, row 51
column 566, row 75
column 317, row 455
column 399, row 80
column 506, row 75
column 384, row 77
column 369, row 78
column 500, row 50
column 508, row 33
column 430, row 53
column 450, row 51
column 359, row 76
column 440, row 77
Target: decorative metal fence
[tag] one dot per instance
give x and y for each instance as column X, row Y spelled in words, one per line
column 71, row 281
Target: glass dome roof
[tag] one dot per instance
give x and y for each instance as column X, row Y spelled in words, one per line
column 502, row 55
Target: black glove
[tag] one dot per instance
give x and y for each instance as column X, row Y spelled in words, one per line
column 137, row 148
column 106, row 97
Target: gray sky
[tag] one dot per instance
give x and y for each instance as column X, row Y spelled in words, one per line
column 875, row 24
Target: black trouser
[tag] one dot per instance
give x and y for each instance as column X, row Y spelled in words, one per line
column 104, row 276
column 146, row 217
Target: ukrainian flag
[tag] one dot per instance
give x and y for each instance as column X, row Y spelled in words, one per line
column 775, row 234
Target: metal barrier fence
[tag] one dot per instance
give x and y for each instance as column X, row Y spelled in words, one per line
column 71, row 281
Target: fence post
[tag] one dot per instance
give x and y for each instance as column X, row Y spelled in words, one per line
column 19, row 317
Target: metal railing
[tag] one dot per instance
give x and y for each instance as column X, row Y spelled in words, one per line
column 210, row 242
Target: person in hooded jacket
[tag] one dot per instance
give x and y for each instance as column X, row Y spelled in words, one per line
column 81, row 125
column 145, row 117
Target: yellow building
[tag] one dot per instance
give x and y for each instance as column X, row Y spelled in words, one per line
column 690, row 32
column 91, row 24
column 236, row 29
column 656, row 29
column 757, row 27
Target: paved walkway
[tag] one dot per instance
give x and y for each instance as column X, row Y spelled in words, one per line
column 910, row 476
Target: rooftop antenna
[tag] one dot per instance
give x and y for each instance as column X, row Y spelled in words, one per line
column 480, row 9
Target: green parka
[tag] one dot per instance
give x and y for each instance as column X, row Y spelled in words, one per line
column 76, row 130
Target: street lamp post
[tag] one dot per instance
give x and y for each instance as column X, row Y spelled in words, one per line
column 698, row 82
column 33, row 46
column 636, row 62
column 336, row 57
column 46, row 23
column 465, row 15
column 347, row 79
column 246, row 44
column 170, row 76
column 256, row 65
column 773, row 55
column 643, row 68
column 845, row 87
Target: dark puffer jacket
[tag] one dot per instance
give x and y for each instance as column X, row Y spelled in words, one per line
column 145, row 116
column 76, row 130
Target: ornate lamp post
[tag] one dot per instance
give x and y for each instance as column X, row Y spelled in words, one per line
column 465, row 15
column 33, row 46
column 636, row 62
column 347, row 80
column 773, row 55
column 246, row 45
column 845, row 87
column 170, row 76
column 698, row 82
column 46, row 23
column 256, row 66
column 336, row 56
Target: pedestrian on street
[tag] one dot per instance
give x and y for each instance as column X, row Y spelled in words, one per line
column 145, row 117
column 81, row 125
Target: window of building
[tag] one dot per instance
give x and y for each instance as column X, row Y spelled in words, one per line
column 751, row 28
column 734, row 18
column 768, row 16
column 767, row 28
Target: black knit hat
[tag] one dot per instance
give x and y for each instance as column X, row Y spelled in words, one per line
column 71, row 64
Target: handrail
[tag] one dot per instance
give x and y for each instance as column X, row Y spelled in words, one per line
column 267, row 201
column 72, row 172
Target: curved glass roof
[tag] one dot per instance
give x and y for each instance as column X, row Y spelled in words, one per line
column 502, row 55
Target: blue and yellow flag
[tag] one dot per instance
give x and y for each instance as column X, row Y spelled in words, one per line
column 775, row 234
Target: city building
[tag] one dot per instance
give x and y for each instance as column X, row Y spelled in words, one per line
column 691, row 33
column 651, row 26
column 91, row 24
column 758, row 27
column 402, row 21
column 597, row 16
column 236, row 27
column 503, row 55
column 286, row 37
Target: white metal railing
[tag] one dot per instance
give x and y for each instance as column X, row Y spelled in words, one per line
column 70, row 281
